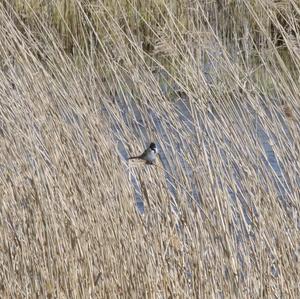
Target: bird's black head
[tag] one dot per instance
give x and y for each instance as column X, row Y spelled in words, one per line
column 152, row 146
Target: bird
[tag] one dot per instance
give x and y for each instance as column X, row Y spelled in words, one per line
column 148, row 155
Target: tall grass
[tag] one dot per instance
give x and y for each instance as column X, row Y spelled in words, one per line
column 84, row 84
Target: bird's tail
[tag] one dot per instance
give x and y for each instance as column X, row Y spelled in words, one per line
column 137, row 157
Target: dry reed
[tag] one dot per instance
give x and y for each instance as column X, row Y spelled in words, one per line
column 84, row 84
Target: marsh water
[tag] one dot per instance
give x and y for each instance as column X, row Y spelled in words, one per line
column 164, row 127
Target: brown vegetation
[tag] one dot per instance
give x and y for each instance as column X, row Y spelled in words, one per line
column 80, row 78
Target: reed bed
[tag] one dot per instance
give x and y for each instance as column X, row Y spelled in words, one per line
column 85, row 84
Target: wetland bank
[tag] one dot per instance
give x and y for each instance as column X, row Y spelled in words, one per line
column 84, row 84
